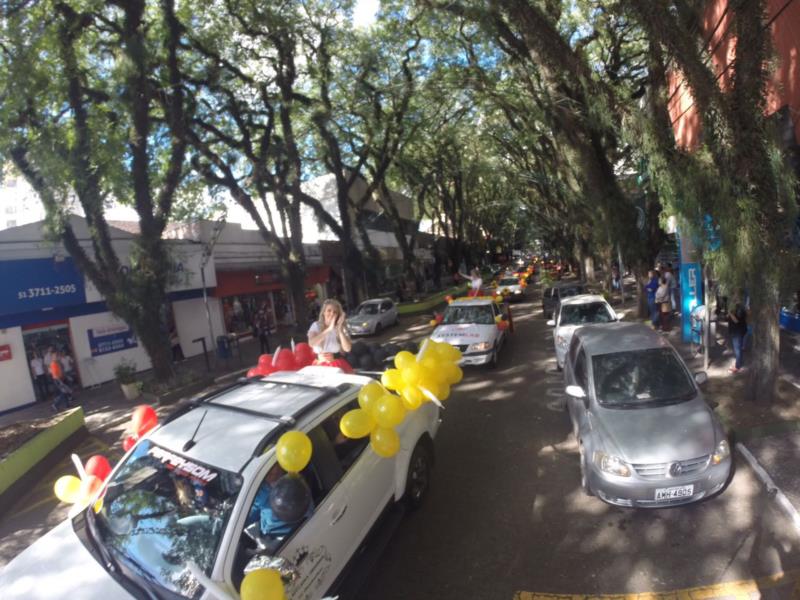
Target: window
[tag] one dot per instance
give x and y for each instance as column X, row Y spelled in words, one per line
column 459, row 315
column 347, row 450
column 582, row 314
column 580, row 371
column 385, row 306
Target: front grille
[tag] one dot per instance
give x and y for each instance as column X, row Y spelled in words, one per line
column 462, row 347
column 661, row 470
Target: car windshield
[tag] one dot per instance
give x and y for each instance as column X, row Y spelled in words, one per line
column 581, row 314
column 368, row 308
column 510, row 281
column 640, row 378
column 458, row 315
column 161, row 512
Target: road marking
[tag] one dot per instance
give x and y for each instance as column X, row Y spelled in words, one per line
column 745, row 589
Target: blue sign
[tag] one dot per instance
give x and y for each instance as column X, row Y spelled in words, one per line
column 39, row 283
column 105, row 340
column 691, row 296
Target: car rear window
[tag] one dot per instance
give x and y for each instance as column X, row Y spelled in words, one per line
column 582, row 314
column 640, row 378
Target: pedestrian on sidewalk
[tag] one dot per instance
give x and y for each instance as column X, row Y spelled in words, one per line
column 39, row 376
column 672, row 284
column 737, row 328
column 476, row 283
column 663, row 303
column 63, row 390
column 262, row 329
column 651, row 287
column 68, row 367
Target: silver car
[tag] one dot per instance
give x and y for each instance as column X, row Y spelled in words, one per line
column 373, row 316
column 574, row 312
column 647, row 438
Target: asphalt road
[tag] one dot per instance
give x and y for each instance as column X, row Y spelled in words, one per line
column 505, row 517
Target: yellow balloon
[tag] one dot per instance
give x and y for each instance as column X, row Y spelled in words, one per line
column 443, row 392
column 454, row 354
column 293, row 451
column 431, row 362
column 369, row 394
column 433, row 323
column 263, row 584
column 385, row 442
column 67, row 489
column 356, row 423
column 403, row 359
column 438, row 350
column 411, row 374
column 391, row 379
column 412, row 397
column 452, row 373
column 389, row 411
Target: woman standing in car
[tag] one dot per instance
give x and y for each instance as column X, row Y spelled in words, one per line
column 328, row 336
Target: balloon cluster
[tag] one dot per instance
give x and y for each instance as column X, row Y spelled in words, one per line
column 81, row 491
column 426, row 377
column 283, row 360
column 263, row 584
column 143, row 419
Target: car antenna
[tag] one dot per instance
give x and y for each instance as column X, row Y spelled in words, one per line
column 188, row 445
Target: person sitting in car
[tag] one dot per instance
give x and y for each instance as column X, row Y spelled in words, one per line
column 282, row 502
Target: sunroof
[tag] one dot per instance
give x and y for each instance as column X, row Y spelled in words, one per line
column 270, row 398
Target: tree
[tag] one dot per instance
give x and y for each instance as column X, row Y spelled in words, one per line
column 94, row 110
column 738, row 175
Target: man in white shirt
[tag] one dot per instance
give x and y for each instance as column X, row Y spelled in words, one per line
column 39, row 376
column 68, row 367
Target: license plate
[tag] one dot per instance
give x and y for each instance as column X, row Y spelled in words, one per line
column 670, row 493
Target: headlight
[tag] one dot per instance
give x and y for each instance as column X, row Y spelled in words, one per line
column 722, row 452
column 517, row 291
column 611, row 464
column 479, row 347
column 365, row 324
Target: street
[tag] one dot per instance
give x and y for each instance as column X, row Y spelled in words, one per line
column 506, row 516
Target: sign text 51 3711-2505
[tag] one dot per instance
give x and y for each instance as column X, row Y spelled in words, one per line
column 53, row 290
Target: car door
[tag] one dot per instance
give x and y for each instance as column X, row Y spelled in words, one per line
column 578, row 406
column 360, row 483
column 387, row 318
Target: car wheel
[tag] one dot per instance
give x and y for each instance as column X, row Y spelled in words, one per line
column 584, row 478
column 419, row 476
column 493, row 362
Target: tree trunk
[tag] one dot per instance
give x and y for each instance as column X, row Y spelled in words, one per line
column 295, row 278
column 640, row 273
column 155, row 341
column 765, row 355
column 588, row 268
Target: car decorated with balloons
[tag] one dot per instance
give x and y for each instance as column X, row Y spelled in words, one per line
column 477, row 327
column 262, row 490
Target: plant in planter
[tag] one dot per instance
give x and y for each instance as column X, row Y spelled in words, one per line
column 125, row 374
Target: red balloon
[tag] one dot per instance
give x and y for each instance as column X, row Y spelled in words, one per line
column 265, row 360
column 265, row 370
column 90, row 485
column 286, row 361
column 129, row 442
column 144, row 419
column 303, row 355
column 254, row 372
column 98, row 466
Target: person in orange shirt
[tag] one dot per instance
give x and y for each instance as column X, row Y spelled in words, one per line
column 63, row 391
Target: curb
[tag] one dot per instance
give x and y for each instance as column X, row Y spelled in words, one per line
column 772, row 489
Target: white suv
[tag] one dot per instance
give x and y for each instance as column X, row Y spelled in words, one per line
column 177, row 516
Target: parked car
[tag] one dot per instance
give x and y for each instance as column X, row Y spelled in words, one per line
column 373, row 316
column 181, row 516
column 470, row 324
column 574, row 312
column 646, row 436
column 553, row 295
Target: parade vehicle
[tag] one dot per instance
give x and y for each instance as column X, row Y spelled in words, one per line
column 477, row 327
column 373, row 316
column 646, row 436
column 512, row 287
column 175, row 518
column 574, row 312
column 553, row 295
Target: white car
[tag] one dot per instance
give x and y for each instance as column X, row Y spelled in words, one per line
column 373, row 316
column 180, row 516
column 471, row 325
column 511, row 286
column 573, row 312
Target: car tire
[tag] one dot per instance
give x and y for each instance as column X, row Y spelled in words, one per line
column 492, row 364
column 584, row 479
column 419, row 476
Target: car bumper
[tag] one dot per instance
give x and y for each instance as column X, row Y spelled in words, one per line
column 354, row 331
column 476, row 358
column 637, row 492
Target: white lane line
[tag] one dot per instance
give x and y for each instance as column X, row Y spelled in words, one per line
column 772, row 489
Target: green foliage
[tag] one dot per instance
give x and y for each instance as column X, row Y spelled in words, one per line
column 125, row 371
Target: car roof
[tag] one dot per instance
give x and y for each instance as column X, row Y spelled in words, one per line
column 582, row 299
column 473, row 301
column 376, row 300
column 608, row 338
column 231, row 426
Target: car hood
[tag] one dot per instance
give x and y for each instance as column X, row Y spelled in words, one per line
column 358, row 319
column 659, row 434
column 468, row 333
column 57, row 565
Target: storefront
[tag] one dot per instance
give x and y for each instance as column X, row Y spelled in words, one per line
column 47, row 305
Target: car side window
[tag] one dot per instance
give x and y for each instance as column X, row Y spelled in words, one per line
column 580, row 371
column 347, row 450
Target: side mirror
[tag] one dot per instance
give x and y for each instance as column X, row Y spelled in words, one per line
column 551, row 323
column 701, row 377
column 575, row 391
